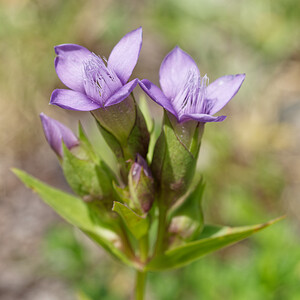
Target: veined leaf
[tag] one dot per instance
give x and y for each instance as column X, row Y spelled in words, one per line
column 136, row 224
column 76, row 212
column 212, row 238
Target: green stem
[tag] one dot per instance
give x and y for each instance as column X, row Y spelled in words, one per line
column 126, row 244
column 162, row 223
column 140, row 285
column 144, row 248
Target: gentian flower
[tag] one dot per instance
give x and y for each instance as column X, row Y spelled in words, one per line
column 93, row 83
column 186, row 94
column 55, row 133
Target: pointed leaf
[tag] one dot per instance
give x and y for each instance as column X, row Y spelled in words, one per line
column 187, row 219
column 136, row 224
column 217, row 238
column 76, row 212
column 85, row 177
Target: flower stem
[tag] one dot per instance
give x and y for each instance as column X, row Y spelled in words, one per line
column 126, row 244
column 144, row 248
column 140, row 285
column 162, row 223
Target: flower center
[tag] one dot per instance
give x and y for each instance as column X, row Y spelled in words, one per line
column 100, row 82
column 191, row 98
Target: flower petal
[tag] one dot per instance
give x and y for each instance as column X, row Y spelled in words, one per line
column 124, row 56
column 174, row 71
column 157, row 95
column 69, row 65
column 72, row 100
column 222, row 90
column 55, row 132
column 202, row 118
column 122, row 93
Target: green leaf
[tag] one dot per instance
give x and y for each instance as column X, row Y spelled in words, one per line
column 136, row 224
column 187, row 218
column 212, row 239
column 85, row 177
column 76, row 212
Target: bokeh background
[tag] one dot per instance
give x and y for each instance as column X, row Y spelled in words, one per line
column 251, row 161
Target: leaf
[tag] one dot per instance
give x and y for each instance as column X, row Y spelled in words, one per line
column 136, row 224
column 212, row 239
column 76, row 212
column 82, row 176
column 191, row 206
column 187, row 219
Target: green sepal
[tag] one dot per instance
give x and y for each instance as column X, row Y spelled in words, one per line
column 118, row 119
column 212, row 239
column 187, row 219
column 138, row 140
column 111, row 141
column 172, row 165
column 85, row 177
column 137, row 225
column 78, row 213
column 86, row 146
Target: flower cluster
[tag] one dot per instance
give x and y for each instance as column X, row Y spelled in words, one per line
column 102, row 87
column 118, row 208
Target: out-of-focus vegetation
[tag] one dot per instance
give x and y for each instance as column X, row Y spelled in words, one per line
column 250, row 162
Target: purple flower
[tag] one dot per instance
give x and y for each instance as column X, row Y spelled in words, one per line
column 94, row 84
column 186, row 94
column 55, row 133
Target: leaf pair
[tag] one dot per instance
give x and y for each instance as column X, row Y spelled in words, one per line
column 80, row 214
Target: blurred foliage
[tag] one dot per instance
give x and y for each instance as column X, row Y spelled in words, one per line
column 250, row 162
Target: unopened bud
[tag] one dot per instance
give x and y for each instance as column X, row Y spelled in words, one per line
column 56, row 133
column 141, row 185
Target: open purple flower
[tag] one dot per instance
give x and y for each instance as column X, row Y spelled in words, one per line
column 55, row 133
column 94, row 84
column 186, row 94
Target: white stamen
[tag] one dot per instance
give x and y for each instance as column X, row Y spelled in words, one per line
column 100, row 82
column 192, row 97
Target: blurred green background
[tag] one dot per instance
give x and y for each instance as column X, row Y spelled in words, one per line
column 251, row 161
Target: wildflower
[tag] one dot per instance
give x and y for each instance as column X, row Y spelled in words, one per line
column 186, row 94
column 94, row 84
column 55, row 133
